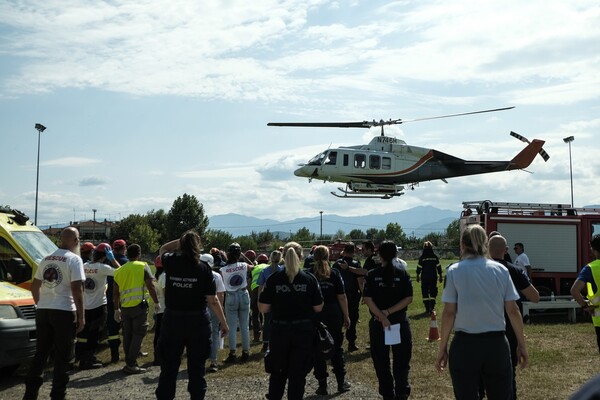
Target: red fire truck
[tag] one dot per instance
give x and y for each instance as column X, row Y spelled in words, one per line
column 556, row 237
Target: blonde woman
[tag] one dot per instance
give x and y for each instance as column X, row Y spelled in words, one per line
column 293, row 297
column 334, row 315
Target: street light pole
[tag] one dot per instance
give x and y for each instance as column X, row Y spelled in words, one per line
column 94, row 228
column 568, row 140
column 40, row 128
column 321, row 235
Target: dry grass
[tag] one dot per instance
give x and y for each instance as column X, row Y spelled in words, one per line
column 562, row 357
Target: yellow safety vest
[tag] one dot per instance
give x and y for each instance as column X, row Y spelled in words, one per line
column 132, row 287
column 594, row 298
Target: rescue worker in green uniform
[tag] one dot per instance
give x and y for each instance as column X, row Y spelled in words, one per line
column 589, row 278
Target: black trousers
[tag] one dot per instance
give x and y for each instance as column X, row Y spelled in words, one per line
column 353, row 313
column 157, row 330
column 485, row 356
column 189, row 330
column 257, row 317
column 429, row 290
column 112, row 327
column 95, row 320
column 55, row 332
column 332, row 316
column 291, row 356
column 597, row 328
column 393, row 382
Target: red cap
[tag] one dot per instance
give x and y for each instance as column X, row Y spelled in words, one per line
column 251, row 254
column 119, row 243
column 102, row 247
column 158, row 262
column 87, row 246
column 262, row 258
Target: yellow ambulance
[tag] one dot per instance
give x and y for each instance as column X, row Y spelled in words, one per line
column 22, row 247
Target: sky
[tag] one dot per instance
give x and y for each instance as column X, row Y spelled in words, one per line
column 146, row 100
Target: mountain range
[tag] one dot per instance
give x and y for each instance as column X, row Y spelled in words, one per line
column 417, row 221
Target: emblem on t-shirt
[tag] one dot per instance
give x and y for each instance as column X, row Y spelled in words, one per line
column 236, row 280
column 52, row 276
column 90, row 284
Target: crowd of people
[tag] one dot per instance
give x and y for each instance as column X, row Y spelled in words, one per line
column 199, row 299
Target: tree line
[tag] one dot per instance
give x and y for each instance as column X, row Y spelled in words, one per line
column 156, row 227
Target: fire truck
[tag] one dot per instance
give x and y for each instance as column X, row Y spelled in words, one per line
column 555, row 236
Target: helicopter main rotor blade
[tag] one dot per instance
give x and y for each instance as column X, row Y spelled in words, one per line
column 458, row 115
column 362, row 124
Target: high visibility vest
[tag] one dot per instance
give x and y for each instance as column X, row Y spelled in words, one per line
column 594, row 298
column 132, row 287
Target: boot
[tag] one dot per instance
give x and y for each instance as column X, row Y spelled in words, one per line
column 322, row 389
column 342, row 384
column 426, row 304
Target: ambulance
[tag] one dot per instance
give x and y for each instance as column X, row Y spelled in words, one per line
column 22, row 247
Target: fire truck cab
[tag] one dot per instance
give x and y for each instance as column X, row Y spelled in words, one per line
column 555, row 236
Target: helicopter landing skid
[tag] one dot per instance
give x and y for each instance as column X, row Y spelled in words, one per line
column 350, row 194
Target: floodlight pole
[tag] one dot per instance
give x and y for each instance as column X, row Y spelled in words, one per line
column 321, row 234
column 568, row 140
column 94, row 228
column 40, row 128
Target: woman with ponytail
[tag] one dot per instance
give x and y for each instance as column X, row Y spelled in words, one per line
column 293, row 297
column 334, row 315
column 388, row 292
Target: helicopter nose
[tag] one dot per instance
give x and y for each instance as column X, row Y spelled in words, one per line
column 301, row 172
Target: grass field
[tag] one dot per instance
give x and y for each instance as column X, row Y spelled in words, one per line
column 562, row 356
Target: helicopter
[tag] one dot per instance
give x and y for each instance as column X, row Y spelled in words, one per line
column 382, row 168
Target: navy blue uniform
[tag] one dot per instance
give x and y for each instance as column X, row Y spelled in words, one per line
column 386, row 286
column 291, row 346
column 427, row 267
column 352, row 294
column 185, row 324
column 333, row 317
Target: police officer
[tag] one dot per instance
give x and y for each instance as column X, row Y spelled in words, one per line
column 388, row 292
column 189, row 288
column 427, row 267
column 352, row 274
column 293, row 296
column 334, row 315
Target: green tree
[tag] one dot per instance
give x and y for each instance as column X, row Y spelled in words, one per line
column 394, row 232
column 453, row 234
column 372, row 233
column 186, row 213
column 157, row 219
column 303, row 236
column 216, row 238
column 125, row 227
column 356, row 234
column 146, row 237
column 246, row 242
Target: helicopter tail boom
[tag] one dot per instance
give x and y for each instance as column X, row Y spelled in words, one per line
column 527, row 155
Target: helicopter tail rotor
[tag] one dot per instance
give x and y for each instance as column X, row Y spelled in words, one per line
column 541, row 152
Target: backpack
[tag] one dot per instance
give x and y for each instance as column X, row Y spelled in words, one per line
column 324, row 341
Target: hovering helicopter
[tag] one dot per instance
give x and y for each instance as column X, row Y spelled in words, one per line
column 381, row 168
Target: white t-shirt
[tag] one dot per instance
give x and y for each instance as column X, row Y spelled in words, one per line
column 521, row 261
column 218, row 282
column 235, row 276
column 398, row 262
column 160, row 292
column 94, row 294
column 56, row 272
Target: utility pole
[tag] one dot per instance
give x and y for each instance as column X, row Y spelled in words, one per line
column 569, row 140
column 40, row 128
column 321, row 235
column 94, row 228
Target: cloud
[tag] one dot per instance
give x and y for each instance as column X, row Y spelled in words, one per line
column 70, row 162
column 93, row 181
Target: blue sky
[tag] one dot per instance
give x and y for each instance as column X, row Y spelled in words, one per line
column 146, row 100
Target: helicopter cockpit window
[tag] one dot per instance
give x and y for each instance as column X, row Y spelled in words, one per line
column 316, row 160
column 374, row 162
column 360, row 161
column 386, row 163
column 331, row 158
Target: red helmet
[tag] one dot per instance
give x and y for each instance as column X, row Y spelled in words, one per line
column 102, row 247
column 262, row 259
column 158, row 262
column 251, row 254
column 87, row 246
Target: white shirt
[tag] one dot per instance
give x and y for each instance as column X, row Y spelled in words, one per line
column 160, row 292
column 218, row 282
column 521, row 261
column 398, row 262
column 235, row 276
column 56, row 272
column 94, row 294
